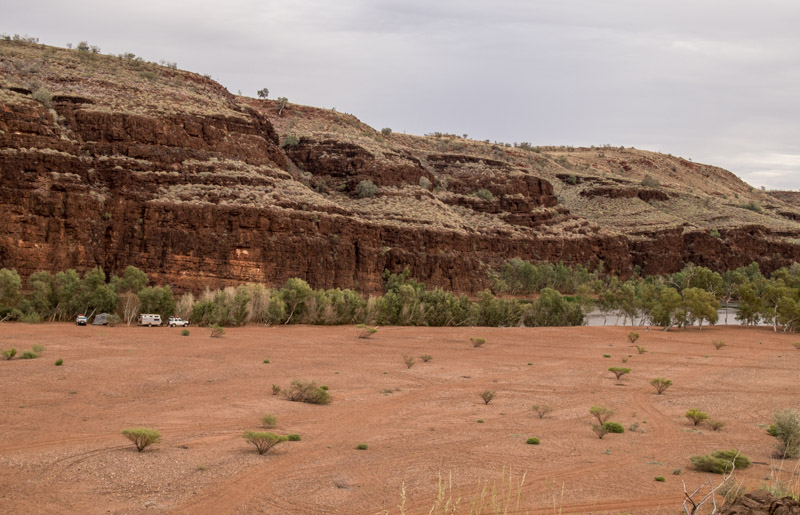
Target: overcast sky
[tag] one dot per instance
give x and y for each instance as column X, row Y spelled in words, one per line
column 717, row 81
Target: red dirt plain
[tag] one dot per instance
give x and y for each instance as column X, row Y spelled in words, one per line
column 61, row 449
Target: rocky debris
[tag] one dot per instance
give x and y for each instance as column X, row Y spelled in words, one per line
column 762, row 502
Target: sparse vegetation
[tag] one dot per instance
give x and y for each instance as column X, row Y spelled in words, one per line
column 362, row 447
column 9, row 353
column 532, row 441
column 366, row 189
column 142, row 437
column 290, row 140
column 660, row 479
column 263, row 441
column 619, row 371
column 613, row 427
column 542, row 410
column 28, row 354
column 696, row 416
column 786, row 428
column 487, row 396
column 606, row 355
column 715, row 425
column 477, row 342
column 44, row 97
column 308, row 392
column 266, row 362
column 660, row 384
column 600, row 430
column 269, row 421
column 720, row 462
column 633, row 336
column 293, row 437
column 262, row 93
column 217, row 331
column 426, row 358
column 408, row 360
column 601, row 413
column 276, row 389
column 365, row 331
column 185, row 332
column 484, row 195
column 386, row 131
column 719, row 345
column 650, row 182
column 640, row 349
column 38, row 348
column 59, row 362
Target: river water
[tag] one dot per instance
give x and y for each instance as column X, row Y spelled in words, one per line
column 596, row 318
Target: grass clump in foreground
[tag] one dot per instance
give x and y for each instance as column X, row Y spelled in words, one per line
column 720, row 462
column 263, row 441
column 308, row 392
column 503, row 495
column 142, row 437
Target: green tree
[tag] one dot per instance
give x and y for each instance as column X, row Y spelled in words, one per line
column 10, row 285
column 295, row 293
column 157, row 299
column 700, row 305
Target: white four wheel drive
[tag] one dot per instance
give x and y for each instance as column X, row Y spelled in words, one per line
column 178, row 322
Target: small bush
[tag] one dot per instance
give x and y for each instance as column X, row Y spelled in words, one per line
column 59, row 362
column 660, row 384
column 487, row 396
column 715, row 233
column 293, row 437
column 484, row 195
column 650, row 182
column 601, row 414
column 142, row 437
column 9, row 353
column 408, row 360
column 276, row 389
column 542, row 410
column 426, row 357
column 365, row 331
column 677, row 472
column 477, row 342
column 786, row 428
column 290, row 140
column 386, row 131
column 720, row 462
column 44, row 97
column 640, row 349
column 599, row 430
column 38, row 348
column 269, row 421
column 614, row 427
column 606, row 355
column 29, row 354
column 308, row 392
column 324, row 387
column 366, row 189
column 532, row 441
column 696, row 416
column 185, row 332
column 660, row 479
column 266, row 361
column 480, row 421
column 362, row 447
column 719, row 345
column 752, row 206
column 632, row 336
column 263, row 441
column 619, row 371
column 715, row 425
column 217, row 331
column 796, row 345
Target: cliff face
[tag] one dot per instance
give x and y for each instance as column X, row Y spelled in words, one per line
column 113, row 162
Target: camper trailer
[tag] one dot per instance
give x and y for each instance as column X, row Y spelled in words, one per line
column 149, row 320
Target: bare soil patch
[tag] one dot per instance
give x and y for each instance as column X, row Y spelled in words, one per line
column 62, row 451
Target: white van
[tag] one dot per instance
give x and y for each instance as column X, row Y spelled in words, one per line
column 149, row 320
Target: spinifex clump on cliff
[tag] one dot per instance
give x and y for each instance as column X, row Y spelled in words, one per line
column 111, row 161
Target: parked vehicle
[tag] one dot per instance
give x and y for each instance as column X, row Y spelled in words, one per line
column 178, row 322
column 81, row 320
column 149, row 319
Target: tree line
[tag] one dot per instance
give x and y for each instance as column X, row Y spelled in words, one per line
column 554, row 295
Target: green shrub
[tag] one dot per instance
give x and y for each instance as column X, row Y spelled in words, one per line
column 59, row 362
column 290, row 140
column 606, row 355
column 365, row 331
column 408, row 360
column 480, row 421
column 263, row 441
column 43, row 96
column 217, row 331
column 366, row 189
column 362, row 447
column 477, row 342
column 601, row 414
column 720, row 462
column 715, row 233
column 426, row 357
column 660, row 384
column 677, row 472
column 487, row 396
column 38, row 348
column 640, row 349
column 386, row 131
column 276, row 389
column 185, row 332
column 716, row 425
column 619, row 371
column 269, row 421
column 660, row 479
column 696, row 416
column 308, row 392
column 752, row 206
column 650, row 182
column 29, row 354
column 614, row 427
column 324, row 387
column 142, row 437
column 266, row 362
column 786, row 428
column 632, row 336
column 484, row 195
column 293, row 437
column 532, row 441
column 541, row 409
column 9, row 353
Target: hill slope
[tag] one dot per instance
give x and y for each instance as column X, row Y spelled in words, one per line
column 111, row 161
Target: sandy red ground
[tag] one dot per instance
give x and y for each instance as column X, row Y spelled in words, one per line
column 61, row 449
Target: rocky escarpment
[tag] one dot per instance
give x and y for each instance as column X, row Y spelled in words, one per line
column 136, row 164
